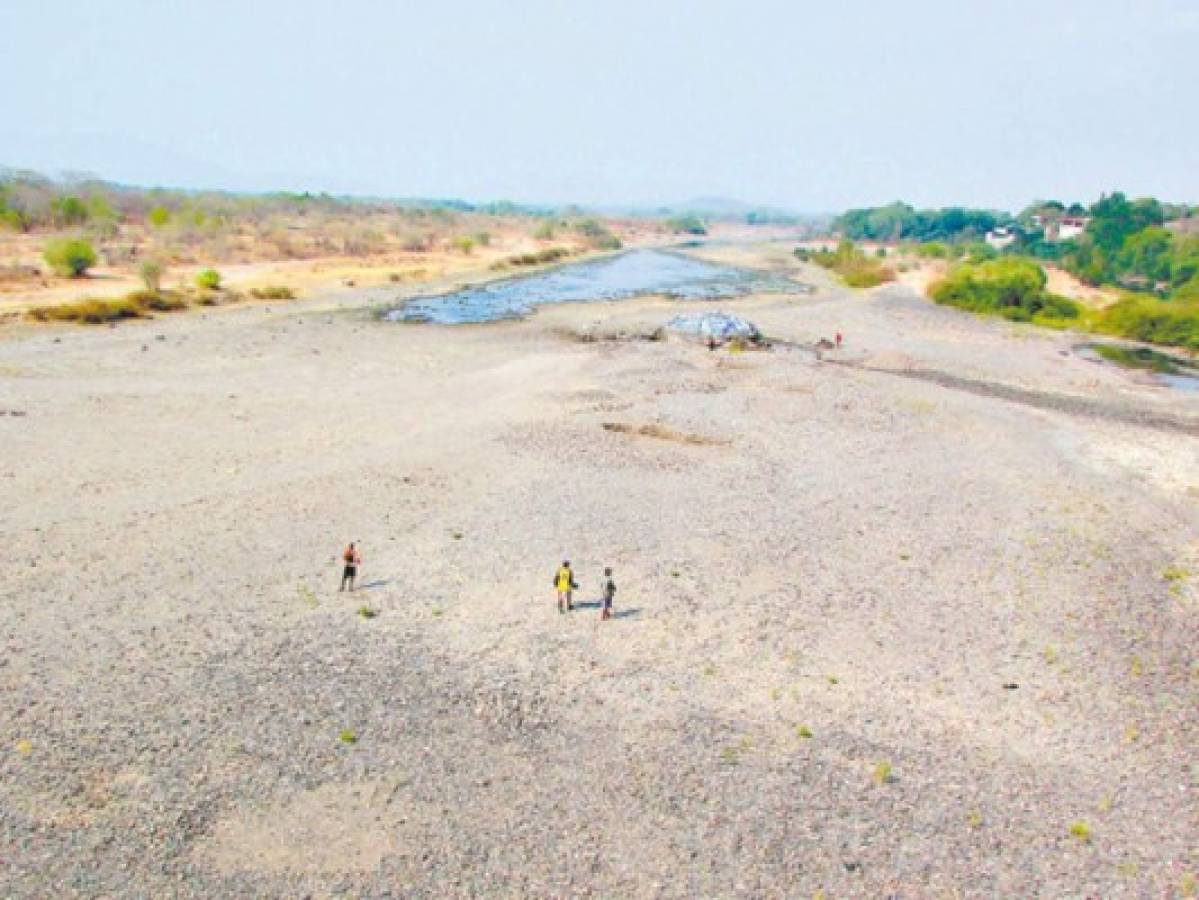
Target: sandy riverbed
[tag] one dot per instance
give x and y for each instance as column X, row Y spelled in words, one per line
column 955, row 550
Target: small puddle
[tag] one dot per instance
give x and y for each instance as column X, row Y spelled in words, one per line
column 630, row 274
column 1172, row 371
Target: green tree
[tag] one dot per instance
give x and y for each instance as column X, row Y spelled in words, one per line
column 68, row 211
column 1114, row 217
column 159, row 216
column 1148, row 253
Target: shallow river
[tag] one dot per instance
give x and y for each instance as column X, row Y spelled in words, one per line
column 630, row 274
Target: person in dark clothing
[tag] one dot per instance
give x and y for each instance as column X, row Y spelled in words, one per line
column 609, row 593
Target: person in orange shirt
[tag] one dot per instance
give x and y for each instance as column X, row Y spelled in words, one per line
column 352, row 559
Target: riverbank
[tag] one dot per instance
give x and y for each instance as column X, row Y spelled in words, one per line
column 877, row 632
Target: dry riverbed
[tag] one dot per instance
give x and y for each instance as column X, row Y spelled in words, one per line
column 915, row 618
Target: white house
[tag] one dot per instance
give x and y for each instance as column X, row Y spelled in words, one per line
column 1001, row 238
column 1066, row 228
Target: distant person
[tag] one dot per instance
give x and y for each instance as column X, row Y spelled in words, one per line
column 352, row 560
column 564, row 582
column 609, row 593
column 838, row 340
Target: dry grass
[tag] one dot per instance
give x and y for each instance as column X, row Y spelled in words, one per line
column 665, row 433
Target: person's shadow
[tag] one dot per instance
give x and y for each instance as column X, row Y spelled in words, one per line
column 377, row 583
column 627, row 613
column 586, row 604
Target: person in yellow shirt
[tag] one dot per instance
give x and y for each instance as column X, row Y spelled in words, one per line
column 564, row 583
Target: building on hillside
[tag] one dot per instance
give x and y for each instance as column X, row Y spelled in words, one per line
column 1001, row 237
column 1066, row 228
column 1184, row 226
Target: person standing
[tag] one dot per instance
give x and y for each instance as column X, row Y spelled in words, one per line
column 609, row 593
column 564, row 582
column 352, row 560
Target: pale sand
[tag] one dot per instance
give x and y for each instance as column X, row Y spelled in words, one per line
column 839, row 544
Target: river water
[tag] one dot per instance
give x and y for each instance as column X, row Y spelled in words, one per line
column 629, row 274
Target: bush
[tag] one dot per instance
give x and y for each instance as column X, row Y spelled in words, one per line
column 209, row 280
column 855, row 267
column 1012, row 288
column 685, row 225
column 159, row 216
column 69, row 257
column 156, row 300
column 273, row 292
column 1153, row 321
column 544, row 231
column 464, row 244
column 151, row 272
column 932, row 250
column 89, row 311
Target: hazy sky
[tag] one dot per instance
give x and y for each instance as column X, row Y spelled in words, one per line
column 809, row 105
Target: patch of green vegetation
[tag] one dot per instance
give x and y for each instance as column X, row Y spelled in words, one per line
column 464, row 244
column 347, row 736
column 1081, row 830
column 1012, row 288
column 366, row 612
column 1144, row 358
column 804, row 732
column 730, row 756
column 975, row 818
column 1175, row 573
column 855, row 267
column 1165, row 322
column 882, row 772
column 69, row 257
column 437, row 612
column 685, row 225
column 832, row 679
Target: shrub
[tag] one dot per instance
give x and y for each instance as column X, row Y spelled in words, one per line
column 273, row 292
column 1081, row 830
column 544, row 231
column 159, row 216
column 685, row 225
column 68, row 211
column 855, row 267
column 1012, row 288
column 483, row 238
column 89, row 311
column 69, row 257
column 209, row 280
column 932, row 250
column 151, row 272
column 464, row 244
column 157, row 301
column 1153, row 321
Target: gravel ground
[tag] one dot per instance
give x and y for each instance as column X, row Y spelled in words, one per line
column 875, row 635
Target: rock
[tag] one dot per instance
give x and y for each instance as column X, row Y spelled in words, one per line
column 716, row 325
